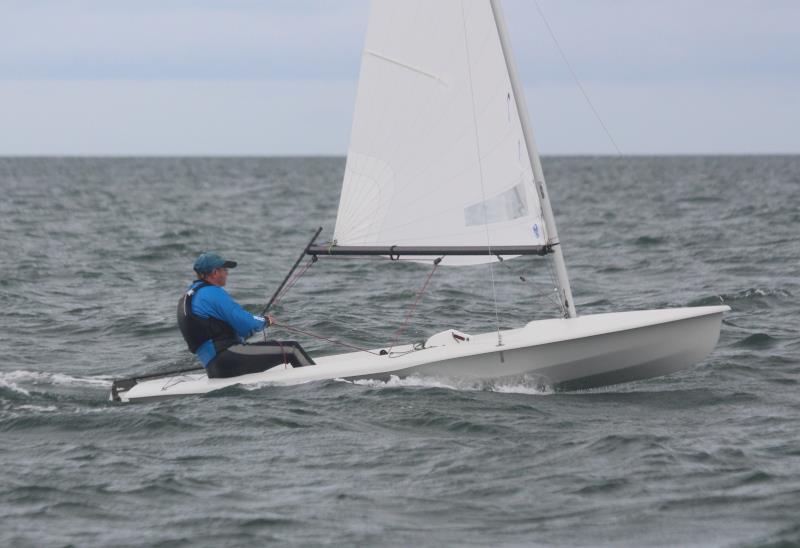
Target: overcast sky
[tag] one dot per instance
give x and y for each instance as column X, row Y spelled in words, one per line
column 279, row 77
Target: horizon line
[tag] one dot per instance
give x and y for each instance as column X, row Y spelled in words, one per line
column 344, row 156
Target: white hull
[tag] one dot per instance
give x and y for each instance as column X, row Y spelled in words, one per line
column 567, row 354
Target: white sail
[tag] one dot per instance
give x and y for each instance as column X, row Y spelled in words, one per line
column 437, row 154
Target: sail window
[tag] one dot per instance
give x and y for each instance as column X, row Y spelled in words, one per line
column 507, row 206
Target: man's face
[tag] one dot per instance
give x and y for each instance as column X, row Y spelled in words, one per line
column 218, row 277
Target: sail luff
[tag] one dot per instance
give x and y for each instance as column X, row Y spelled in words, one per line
column 533, row 154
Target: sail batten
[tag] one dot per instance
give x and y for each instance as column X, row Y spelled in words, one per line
column 404, row 65
column 437, row 154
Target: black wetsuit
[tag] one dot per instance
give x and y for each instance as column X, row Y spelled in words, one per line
column 254, row 358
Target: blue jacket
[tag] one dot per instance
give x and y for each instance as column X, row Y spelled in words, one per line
column 214, row 302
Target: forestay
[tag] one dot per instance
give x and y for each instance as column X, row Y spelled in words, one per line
column 437, row 154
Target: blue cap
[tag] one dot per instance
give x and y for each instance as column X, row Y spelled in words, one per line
column 209, row 261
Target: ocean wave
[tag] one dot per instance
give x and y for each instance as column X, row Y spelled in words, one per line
column 787, row 536
column 537, row 390
column 41, row 408
column 412, row 381
column 25, row 384
column 420, row 461
column 42, row 377
column 753, row 294
column 517, row 386
column 13, row 387
column 757, row 340
column 649, row 241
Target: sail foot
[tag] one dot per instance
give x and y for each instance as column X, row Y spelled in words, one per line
column 396, row 251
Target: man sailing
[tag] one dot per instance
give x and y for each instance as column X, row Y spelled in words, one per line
column 215, row 327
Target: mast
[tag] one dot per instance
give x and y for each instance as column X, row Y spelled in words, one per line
column 562, row 280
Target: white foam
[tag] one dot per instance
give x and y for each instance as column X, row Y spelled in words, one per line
column 100, row 380
column 250, row 386
column 12, row 386
column 413, row 381
column 523, row 386
column 38, row 377
column 47, row 408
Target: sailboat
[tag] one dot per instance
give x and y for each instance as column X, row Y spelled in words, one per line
column 442, row 167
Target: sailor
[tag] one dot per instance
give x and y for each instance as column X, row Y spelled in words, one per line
column 215, row 327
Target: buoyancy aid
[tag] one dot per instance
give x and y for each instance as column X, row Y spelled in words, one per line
column 197, row 330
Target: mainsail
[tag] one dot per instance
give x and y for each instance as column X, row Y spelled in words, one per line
column 437, row 154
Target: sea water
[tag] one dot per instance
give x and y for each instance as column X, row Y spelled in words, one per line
column 95, row 253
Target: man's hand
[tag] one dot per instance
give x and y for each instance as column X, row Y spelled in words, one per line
column 271, row 320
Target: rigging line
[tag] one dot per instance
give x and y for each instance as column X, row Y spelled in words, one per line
column 547, row 295
column 551, row 271
column 320, row 337
column 293, row 281
column 553, row 282
column 172, row 381
column 521, row 275
column 480, row 172
column 286, row 289
column 414, row 306
column 575, row 77
column 283, row 351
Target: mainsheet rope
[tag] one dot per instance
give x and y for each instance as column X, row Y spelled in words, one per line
column 293, row 281
column 397, row 334
column 399, row 331
column 416, row 301
column 317, row 336
column 286, row 289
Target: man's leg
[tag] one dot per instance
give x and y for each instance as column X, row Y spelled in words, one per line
column 242, row 359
